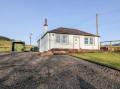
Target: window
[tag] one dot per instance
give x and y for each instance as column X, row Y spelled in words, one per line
column 62, row 39
column 53, row 34
column 91, row 40
column 57, row 38
column 86, row 40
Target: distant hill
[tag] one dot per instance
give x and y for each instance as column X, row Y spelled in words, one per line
column 4, row 38
column 116, row 44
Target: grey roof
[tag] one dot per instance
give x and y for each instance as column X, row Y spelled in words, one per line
column 71, row 31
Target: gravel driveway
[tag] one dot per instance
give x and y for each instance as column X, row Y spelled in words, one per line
column 30, row 71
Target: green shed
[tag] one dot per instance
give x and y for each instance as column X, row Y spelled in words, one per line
column 18, row 46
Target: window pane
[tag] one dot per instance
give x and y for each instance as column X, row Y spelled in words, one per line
column 91, row 40
column 86, row 40
column 64, row 39
column 57, row 38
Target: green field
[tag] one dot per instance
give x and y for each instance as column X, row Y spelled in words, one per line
column 5, row 46
column 111, row 59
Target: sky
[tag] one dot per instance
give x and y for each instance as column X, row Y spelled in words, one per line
column 19, row 18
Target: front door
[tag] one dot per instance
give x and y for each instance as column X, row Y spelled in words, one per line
column 76, row 42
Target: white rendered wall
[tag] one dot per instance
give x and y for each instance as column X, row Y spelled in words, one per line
column 94, row 46
column 38, row 42
column 49, row 42
column 53, row 43
column 44, row 43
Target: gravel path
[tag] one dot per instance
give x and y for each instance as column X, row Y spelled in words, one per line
column 30, row 71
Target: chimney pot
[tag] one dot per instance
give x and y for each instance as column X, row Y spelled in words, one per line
column 45, row 22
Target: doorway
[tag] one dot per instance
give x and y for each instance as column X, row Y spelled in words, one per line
column 76, row 41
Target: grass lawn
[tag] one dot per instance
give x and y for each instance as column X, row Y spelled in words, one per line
column 111, row 59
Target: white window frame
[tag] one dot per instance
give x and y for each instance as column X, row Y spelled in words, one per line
column 61, row 38
column 86, row 39
column 57, row 40
column 64, row 39
column 90, row 40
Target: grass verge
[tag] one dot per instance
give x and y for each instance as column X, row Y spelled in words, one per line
column 110, row 59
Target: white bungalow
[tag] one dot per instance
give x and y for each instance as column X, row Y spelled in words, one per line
column 68, row 38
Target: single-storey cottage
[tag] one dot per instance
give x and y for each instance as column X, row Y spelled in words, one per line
column 68, row 38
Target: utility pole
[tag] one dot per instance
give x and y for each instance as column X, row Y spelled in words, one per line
column 30, row 37
column 97, row 30
column 97, row 25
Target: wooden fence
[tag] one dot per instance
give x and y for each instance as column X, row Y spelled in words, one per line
column 110, row 45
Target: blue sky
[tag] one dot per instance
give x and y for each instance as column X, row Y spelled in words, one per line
column 19, row 18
